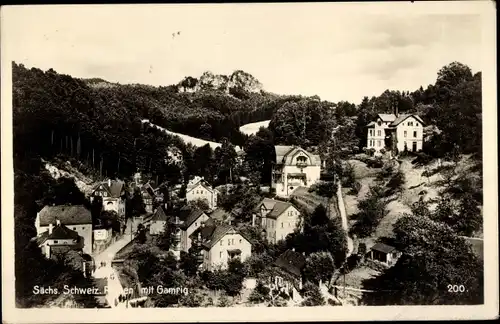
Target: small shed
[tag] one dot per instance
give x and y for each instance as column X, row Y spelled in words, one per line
column 384, row 253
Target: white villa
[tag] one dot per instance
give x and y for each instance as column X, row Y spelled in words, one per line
column 391, row 131
column 295, row 167
column 198, row 188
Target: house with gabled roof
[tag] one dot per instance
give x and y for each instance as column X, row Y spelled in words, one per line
column 198, row 188
column 77, row 218
column 396, row 132
column 189, row 221
column 219, row 244
column 148, row 195
column 157, row 221
column 112, row 193
column 285, row 275
column 277, row 218
column 384, row 253
column 58, row 239
column 295, row 167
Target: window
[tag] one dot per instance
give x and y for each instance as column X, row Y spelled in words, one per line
column 371, row 132
column 220, row 242
column 74, row 228
column 55, row 241
column 415, row 134
column 379, row 143
column 281, row 224
column 410, row 123
column 379, row 133
column 220, row 254
column 405, row 133
column 201, row 191
column 229, row 242
column 416, row 124
column 241, row 240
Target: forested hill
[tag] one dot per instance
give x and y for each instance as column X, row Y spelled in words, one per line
column 211, row 107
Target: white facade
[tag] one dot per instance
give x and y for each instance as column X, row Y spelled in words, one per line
column 203, row 192
column 295, row 167
column 221, row 252
column 405, row 130
column 411, row 132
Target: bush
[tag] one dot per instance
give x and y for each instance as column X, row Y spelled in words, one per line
column 356, row 187
column 396, row 183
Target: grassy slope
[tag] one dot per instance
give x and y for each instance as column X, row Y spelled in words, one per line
column 416, row 185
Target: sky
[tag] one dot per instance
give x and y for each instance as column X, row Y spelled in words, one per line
column 333, row 51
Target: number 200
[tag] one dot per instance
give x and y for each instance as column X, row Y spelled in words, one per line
column 456, row 288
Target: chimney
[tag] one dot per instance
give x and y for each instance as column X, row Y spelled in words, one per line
column 109, row 182
column 51, row 227
column 396, row 109
column 58, row 222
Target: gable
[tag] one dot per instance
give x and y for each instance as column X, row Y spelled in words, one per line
column 200, row 186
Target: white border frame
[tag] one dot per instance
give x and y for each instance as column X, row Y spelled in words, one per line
column 487, row 311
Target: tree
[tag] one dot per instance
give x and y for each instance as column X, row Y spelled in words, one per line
column 165, row 239
column 469, row 218
column 74, row 260
column 64, row 192
column 312, row 295
column 141, row 234
column 434, row 257
column 321, row 234
column 225, row 157
column 259, row 294
column 199, row 203
column 371, row 211
column 260, row 154
column 319, row 267
column 420, row 209
column 189, row 263
column 110, row 219
column 135, row 206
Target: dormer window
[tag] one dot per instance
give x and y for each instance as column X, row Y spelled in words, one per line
column 301, row 161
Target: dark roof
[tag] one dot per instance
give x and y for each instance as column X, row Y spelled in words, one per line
column 292, row 262
column 41, row 238
column 206, row 230
column 61, row 232
column 147, row 189
column 68, row 215
column 285, row 153
column 370, row 124
column 159, row 215
column 387, row 117
column 277, row 207
column 216, row 234
column 403, row 117
column 115, row 190
column 189, row 215
column 381, row 247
